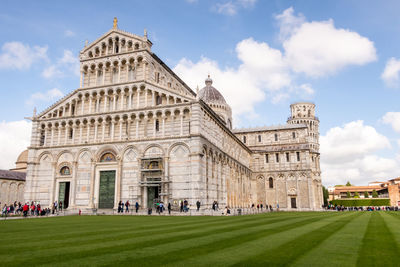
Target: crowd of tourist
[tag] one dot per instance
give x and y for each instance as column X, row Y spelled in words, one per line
column 30, row 209
column 343, row 208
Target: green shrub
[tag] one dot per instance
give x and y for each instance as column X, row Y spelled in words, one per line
column 366, row 195
column 348, row 194
column 356, row 195
column 361, row 202
column 374, row 193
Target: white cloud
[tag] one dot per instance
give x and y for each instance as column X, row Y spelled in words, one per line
column 392, row 118
column 348, row 153
column 16, row 55
column 69, row 33
column 15, row 136
column 261, row 71
column 313, row 48
column 231, row 8
column 391, row 72
column 49, row 96
column 318, row 48
column 228, row 8
column 67, row 64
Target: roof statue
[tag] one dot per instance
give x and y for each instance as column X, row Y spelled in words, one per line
column 115, row 23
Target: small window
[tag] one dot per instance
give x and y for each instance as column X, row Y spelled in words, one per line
column 298, row 156
column 73, row 110
column 65, row 171
column 107, row 157
column 271, row 182
column 42, row 137
column 287, row 157
column 266, row 158
column 71, row 133
column 294, row 135
column 259, row 138
column 157, row 126
column 244, row 139
column 276, row 137
column 277, row 157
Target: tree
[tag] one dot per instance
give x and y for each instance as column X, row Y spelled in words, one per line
column 348, row 183
column 325, row 194
column 366, row 195
column 374, row 194
column 348, row 194
column 356, row 195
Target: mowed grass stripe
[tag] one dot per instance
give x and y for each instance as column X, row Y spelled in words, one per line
column 123, row 231
column 289, row 252
column 339, row 249
column 393, row 225
column 108, row 245
column 52, row 228
column 379, row 248
column 243, row 250
column 178, row 250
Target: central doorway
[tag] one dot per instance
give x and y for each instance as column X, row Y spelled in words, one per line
column 293, row 203
column 107, row 190
column 153, row 195
column 63, row 194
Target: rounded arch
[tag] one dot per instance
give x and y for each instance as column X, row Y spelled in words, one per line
column 125, row 150
column 147, row 151
column 43, row 154
column 177, row 144
column 106, row 149
column 64, row 152
column 81, row 152
column 270, row 182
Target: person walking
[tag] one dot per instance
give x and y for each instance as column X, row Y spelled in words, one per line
column 169, row 208
column 25, row 209
column 4, row 211
column 198, row 205
column 181, row 204
column 60, row 205
column 127, row 204
column 137, row 206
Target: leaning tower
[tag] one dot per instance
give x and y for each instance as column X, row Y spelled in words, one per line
column 304, row 113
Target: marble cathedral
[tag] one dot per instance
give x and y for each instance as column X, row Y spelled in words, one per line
column 135, row 131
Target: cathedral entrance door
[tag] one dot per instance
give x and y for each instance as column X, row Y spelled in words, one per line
column 293, row 202
column 152, row 195
column 63, row 194
column 107, row 189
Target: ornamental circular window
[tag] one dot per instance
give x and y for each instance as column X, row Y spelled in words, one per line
column 107, row 157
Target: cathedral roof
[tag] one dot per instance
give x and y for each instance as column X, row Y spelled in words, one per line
column 12, row 175
column 210, row 94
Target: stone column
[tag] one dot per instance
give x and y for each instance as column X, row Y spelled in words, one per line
column 163, row 125
column 90, row 104
column 53, row 183
column 105, row 103
column 130, row 99
column 119, row 178
column 73, row 188
column 83, row 105
column 95, row 130
column 87, row 131
column 138, row 98
column 66, row 134
column 121, row 106
column 92, row 182
column 119, row 72
column 103, row 130
column 167, row 99
column 80, row 133
column 166, row 178
column 137, row 128
column 114, row 102
column 152, row 99
column 120, row 129
column 96, row 70
column 104, row 74
column 52, row 136
column 154, row 126
column 145, row 98
column 181, row 132
column 59, row 135
column 112, row 129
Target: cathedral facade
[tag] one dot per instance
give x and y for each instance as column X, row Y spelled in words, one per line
column 135, row 131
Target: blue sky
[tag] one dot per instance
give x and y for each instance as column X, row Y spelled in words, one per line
column 258, row 53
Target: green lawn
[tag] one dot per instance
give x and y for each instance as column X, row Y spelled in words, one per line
column 298, row 239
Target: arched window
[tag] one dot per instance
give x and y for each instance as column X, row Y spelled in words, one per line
column 294, row 135
column 276, row 137
column 107, row 157
column 271, row 182
column 259, row 138
column 65, row 171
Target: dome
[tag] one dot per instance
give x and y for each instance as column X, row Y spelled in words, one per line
column 23, row 157
column 211, row 95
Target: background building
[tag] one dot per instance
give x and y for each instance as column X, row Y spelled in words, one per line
column 135, row 131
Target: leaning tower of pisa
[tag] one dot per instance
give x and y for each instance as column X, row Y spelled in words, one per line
column 304, row 113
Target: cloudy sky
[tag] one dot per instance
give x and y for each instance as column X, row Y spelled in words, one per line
column 262, row 55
